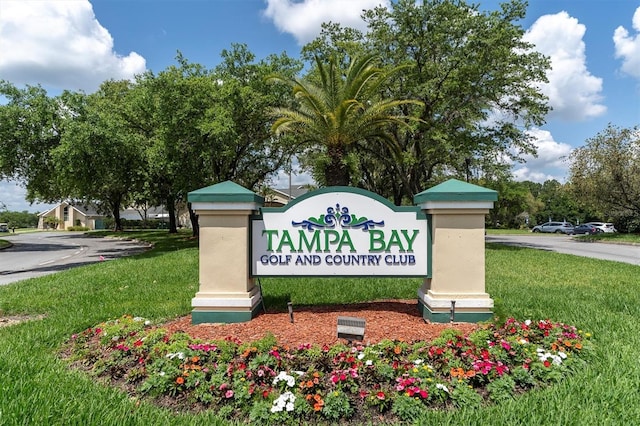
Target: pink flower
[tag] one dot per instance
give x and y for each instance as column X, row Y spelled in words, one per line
column 501, row 369
column 228, row 394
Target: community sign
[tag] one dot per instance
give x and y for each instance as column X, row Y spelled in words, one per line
column 340, row 231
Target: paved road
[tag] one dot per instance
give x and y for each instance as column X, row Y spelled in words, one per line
column 41, row 253
column 569, row 245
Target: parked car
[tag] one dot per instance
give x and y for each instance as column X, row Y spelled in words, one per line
column 554, row 227
column 4, row 227
column 603, row 226
column 587, row 229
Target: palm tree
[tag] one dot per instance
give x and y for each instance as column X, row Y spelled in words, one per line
column 337, row 111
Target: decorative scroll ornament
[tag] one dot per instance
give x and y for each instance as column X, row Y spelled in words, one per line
column 338, row 216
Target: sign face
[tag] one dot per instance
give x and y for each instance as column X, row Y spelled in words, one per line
column 340, row 231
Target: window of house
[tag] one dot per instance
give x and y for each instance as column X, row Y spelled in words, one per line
column 65, row 213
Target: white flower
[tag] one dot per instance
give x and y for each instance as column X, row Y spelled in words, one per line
column 283, row 376
column 284, row 401
column 527, row 323
column 418, row 361
column 180, row 355
column 361, row 355
column 556, row 359
column 162, row 373
column 442, row 387
column 368, row 362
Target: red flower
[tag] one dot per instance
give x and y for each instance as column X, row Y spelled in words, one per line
column 380, row 395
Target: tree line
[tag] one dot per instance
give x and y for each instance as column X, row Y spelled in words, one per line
column 430, row 91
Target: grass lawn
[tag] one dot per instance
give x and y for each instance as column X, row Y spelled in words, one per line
column 36, row 387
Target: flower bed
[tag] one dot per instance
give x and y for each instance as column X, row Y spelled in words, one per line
column 391, row 380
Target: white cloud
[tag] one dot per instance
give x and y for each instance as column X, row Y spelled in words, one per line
column 303, row 19
column 551, row 162
column 574, row 93
column 297, row 178
column 12, row 196
column 628, row 47
column 59, row 44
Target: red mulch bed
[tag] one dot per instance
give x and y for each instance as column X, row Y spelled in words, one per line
column 385, row 319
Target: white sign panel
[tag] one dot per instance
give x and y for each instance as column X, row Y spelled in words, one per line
column 340, row 231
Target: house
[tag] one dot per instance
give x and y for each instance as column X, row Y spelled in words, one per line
column 66, row 215
column 280, row 197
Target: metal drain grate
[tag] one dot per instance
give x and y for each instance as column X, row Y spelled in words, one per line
column 351, row 328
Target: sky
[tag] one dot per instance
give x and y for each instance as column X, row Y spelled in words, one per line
column 594, row 46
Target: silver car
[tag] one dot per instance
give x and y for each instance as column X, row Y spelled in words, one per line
column 554, row 227
column 604, row 226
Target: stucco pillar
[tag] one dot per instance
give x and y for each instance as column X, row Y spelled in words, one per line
column 227, row 292
column 457, row 210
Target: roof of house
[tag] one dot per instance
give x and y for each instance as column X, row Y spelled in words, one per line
column 87, row 210
column 295, row 191
column 133, row 213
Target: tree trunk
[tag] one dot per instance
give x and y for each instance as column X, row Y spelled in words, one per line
column 336, row 173
column 117, row 222
column 195, row 226
column 171, row 209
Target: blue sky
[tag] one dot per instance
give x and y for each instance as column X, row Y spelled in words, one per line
column 594, row 47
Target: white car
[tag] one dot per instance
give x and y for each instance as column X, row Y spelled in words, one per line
column 554, row 227
column 603, row 226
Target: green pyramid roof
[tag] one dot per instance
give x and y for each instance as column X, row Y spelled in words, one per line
column 224, row 192
column 456, row 190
